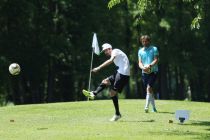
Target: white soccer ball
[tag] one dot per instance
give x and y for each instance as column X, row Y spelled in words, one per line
column 14, row 69
column 149, row 71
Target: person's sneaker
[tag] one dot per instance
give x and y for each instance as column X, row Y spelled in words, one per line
column 154, row 110
column 88, row 94
column 146, row 110
column 115, row 118
column 91, row 96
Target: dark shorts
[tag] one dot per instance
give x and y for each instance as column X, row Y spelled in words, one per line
column 118, row 81
column 149, row 79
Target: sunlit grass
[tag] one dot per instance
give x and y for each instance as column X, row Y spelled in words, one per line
column 90, row 120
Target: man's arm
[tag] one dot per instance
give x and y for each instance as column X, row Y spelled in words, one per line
column 106, row 63
column 156, row 54
column 154, row 61
column 141, row 66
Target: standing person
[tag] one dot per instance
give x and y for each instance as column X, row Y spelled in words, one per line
column 117, row 80
column 148, row 62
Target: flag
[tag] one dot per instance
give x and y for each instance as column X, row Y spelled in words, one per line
column 95, row 46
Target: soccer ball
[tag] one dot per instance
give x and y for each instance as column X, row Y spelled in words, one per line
column 149, row 71
column 14, row 69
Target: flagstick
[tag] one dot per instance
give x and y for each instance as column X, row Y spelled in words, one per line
column 96, row 50
column 91, row 65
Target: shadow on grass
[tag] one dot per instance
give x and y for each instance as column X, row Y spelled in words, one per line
column 166, row 112
column 196, row 135
column 135, row 121
column 208, row 129
column 179, row 132
column 203, row 124
column 199, row 123
column 42, row 128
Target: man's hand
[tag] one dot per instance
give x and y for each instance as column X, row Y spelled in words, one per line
column 147, row 69
column 95, row 69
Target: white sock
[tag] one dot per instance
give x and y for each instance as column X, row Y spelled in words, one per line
column 148, row 100
column 152, row 101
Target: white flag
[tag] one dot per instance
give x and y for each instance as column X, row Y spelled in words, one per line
column 95, row 45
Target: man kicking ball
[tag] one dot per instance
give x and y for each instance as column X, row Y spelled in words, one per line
column 117, row 80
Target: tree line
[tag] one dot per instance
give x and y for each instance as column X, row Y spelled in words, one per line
column 51, row 40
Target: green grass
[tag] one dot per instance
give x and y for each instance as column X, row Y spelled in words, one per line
column 90, row 121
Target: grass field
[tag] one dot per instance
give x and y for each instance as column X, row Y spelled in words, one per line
column 90, row 121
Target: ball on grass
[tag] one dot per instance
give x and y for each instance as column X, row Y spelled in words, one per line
column 170, row 121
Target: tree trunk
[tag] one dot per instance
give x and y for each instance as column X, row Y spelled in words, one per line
column 127, row 42
column 163, row 82
column 50, row 81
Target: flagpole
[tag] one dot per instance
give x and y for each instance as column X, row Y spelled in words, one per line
column 96, row 50
column 91, row 65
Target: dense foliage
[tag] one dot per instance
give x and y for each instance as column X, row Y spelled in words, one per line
column 51, row 40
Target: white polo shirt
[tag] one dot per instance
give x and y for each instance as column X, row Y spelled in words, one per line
column 121, row 60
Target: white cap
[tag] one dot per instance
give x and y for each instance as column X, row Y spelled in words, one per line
column 106, row 46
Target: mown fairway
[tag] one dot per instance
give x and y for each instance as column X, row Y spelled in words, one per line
column 90, row 120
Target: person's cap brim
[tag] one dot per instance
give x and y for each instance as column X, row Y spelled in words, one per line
column 104, row 50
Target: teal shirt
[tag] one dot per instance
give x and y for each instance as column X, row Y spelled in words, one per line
column 147, row 55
